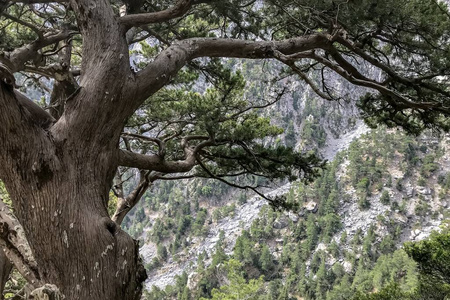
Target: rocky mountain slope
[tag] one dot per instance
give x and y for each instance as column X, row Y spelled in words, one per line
column 233, row 225
column 381, row 188
column 415, row 209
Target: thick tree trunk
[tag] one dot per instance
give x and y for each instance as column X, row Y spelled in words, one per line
column 59, row 187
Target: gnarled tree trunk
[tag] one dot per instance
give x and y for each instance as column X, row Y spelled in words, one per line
column 59, row 183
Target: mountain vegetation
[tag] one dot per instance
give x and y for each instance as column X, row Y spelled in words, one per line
column 322, row 254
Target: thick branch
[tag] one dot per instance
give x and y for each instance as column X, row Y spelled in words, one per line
column 171, row 60
column 65, row 84
column 5, row 271
column 155, row 162
column 178, row 10
column 22, row 121
column 124, row 205
column 159, row 164
column 20, row 56
column 160, row 143
column 15, row 246
column 39, row 116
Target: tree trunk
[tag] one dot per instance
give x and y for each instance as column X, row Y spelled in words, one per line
column 5, row 271
column 59, row 187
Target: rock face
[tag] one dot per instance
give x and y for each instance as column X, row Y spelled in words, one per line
column 193, row 280
column 354, row 219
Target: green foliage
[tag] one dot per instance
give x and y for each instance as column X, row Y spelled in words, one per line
column 375, row 263
column 429, row 166
column 223, row 112
column 266, row 260
column 391, row 292
column 385, row 198
column 396, row 267
column 238, row 288
column 199, row 222
column 224, row 211
column 162, row 252
column 313, row 132
column 4, row 195
column 363, row 203
column 209, row 100
column 112, row 203
column 432, row 257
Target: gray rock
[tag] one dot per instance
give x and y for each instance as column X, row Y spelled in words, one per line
column 311, row 206
column 400, row 218
column 347, row 266
column 294, row 217
column 193, row 280
column 409, row 191
column 281, row 223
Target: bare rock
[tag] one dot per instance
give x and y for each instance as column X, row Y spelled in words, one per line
column 193, row 280
column 294, row 217
column 311, row 206
column 281, row 223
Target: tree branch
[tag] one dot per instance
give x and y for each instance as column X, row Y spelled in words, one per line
column 20, row 56
column 125, row 205
column 39, row 33
column 171, row 60
column 178, row 10
column 159, row 164
column 290, row 62
column 15, row 246
column 155, row 162
column 246, row 187
column 161, row 144
column 396, row 99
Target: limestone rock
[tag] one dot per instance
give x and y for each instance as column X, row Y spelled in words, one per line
column 294, row 217
column 311, row 206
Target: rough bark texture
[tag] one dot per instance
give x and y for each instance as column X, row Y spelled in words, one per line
column 16, row 248
column 5, row 269
column 59, row 179
column 58, row 186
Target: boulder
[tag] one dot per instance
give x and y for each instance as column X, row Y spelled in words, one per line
column 347, row 266
column 401, row 219
column 294, row 217
column 409, row 191
column 193, row 280
column 311, row 206
column 281, row 223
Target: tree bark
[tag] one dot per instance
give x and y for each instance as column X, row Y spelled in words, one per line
column 59, row 186
column 59, row 176
column 5, row 270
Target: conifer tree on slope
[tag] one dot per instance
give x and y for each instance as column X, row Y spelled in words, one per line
column 59, row 165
